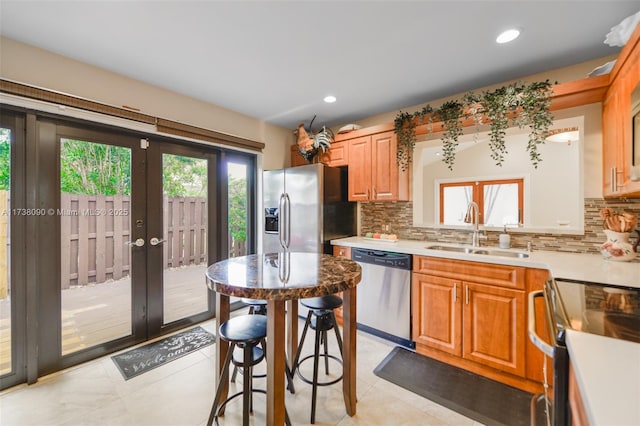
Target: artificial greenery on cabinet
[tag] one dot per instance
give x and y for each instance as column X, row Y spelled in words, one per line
column 516, row 104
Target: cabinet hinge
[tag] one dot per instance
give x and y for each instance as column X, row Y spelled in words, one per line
column 144, row 143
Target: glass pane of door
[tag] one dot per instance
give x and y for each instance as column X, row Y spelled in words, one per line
column 6, row 342
column 184, row 218
column 237, row 190
column 95, row 185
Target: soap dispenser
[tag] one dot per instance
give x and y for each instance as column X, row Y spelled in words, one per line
column 505, row 239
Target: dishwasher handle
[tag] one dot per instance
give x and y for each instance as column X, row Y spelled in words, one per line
column 533, row 335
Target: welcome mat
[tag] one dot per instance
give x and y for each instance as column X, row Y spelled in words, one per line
column 140, row 360
column 469, row 394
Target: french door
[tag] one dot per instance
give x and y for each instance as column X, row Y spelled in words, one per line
column 110, row 239
column 134, row 217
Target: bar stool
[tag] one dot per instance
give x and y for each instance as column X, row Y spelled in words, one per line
column 256, row 307
column 245, row 332
column 259, row 307
column 320, row 318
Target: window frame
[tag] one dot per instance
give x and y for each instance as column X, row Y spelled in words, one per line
column 477, row 195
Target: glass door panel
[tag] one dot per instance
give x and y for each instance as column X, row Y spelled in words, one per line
column 6, row 341
column 95, row 235
column 184, row 236
column 237, row 209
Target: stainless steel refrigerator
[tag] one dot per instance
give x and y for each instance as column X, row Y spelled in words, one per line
column 305, row 207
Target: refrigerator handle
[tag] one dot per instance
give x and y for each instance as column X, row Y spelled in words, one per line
column 287, row 224
column 282, row 221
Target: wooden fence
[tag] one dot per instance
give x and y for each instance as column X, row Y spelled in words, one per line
column 95, row 229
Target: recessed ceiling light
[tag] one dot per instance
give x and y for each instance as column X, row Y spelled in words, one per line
column 508, row 35
column 330, row 99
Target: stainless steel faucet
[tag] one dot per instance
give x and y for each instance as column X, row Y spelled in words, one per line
column 473, row 216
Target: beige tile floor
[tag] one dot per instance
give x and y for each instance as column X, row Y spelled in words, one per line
column 181, row 392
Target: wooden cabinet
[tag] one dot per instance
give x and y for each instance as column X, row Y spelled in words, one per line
column 494, row 327
column 374, row 174
column 437, row 313
column 336, row 156
column 576, row 403
column 341, row 251
column 472, row 315
column 617, row 127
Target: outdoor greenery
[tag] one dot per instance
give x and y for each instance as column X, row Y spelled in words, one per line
column 238, row 208
column 184, row 176
column 92, row 168
column 516, row 104
column 5, row 159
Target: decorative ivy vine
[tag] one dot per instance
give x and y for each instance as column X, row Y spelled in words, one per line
column 516, row 104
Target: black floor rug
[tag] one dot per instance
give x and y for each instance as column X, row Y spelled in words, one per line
column 469, row 394
column 140, row 360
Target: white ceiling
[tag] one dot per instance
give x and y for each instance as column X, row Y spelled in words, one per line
column 277, row 60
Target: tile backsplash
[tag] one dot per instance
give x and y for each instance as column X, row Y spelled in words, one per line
column 400, row 216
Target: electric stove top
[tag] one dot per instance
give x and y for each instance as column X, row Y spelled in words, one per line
column 598, row 309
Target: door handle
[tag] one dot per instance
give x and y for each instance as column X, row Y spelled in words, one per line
column 155, row 241
column 138, row 243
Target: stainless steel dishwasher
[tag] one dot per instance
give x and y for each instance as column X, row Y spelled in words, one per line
column 384, row 294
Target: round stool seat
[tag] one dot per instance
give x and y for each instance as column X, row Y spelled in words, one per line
column 244, row 329
column 324, row 302
column 254, row 301
column 321, row 320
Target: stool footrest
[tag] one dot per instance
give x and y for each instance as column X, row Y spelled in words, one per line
column 310, row 382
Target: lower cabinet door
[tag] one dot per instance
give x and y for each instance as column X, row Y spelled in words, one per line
column 437, row 313
column 494, row 327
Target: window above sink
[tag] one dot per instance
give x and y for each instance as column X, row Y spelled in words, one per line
column 552, row 195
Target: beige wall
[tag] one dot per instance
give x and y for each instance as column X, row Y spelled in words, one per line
column 33, row 66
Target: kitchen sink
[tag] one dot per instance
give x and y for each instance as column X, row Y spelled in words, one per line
column 487, row 251
column 458, row 249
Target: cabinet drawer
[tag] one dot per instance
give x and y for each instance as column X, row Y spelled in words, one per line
column 484, row 273
column 342, row 251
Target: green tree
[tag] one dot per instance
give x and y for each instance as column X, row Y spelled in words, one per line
column 5, row 159
column 184, row 176
column 238, row 208
column 93, row 168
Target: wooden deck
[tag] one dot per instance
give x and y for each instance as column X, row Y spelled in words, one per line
column 99, row 313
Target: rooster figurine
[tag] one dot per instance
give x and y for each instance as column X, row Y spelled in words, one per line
column 308, row 145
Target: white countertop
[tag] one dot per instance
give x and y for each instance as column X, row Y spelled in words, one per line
column 607, row 370
column 575, row 266
column 608, row 375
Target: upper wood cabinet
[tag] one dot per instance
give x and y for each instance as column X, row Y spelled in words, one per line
column 617, row 128
column 336, row 156
column 374, row 174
